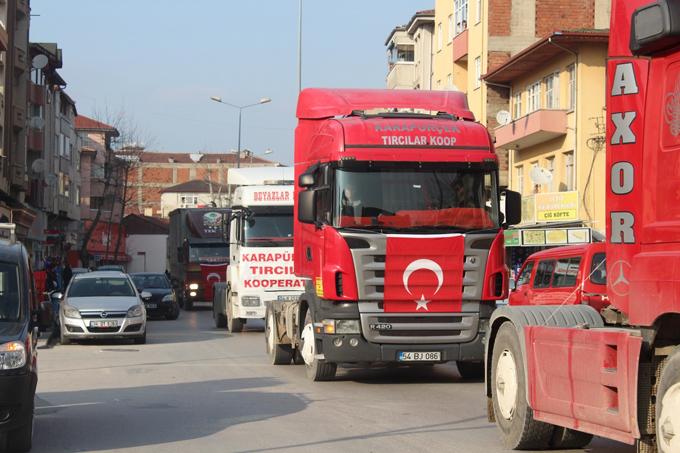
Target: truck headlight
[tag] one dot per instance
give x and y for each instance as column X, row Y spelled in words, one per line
column 169, row 298
column 250, row 301
column 12, row 355
column 135, row 312
column 347, row 326
column 193, row 286
column 71, row 312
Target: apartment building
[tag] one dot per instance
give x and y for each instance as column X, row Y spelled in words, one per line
column 409, row 53
column 555, row 134
column 193, row 194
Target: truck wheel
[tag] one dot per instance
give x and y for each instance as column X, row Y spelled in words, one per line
column 470, row 370
column 188, row 304
column 279, row 354
column 234, row 325
column 508, row 387
column 668, row 406
column 569, row 439
column 220, row 319
column 316, row 369
column 21, row 439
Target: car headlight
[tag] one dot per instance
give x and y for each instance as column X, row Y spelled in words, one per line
column 71, row 312
column 12, row 355
column 250, row 301
column 169, row 298
column 193, row 286
column 135, row 312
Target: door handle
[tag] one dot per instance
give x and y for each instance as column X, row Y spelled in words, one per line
column 308, row 253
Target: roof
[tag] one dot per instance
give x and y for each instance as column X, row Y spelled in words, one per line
column 533, row 57
column 426, row 15
column 203, row 158
column 84, row 123
column 70, row 100
column 396, row 29
column 195, row 186
column 141, row 224
column 320, row 103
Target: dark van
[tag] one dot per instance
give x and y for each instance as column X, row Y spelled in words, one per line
column 564, row 275
column 18, row 338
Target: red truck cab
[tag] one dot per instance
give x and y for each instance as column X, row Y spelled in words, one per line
column 565, row 275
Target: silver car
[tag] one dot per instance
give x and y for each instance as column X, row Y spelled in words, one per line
column 102, row 305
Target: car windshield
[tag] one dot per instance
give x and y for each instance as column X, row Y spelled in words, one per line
column 10, row 306
column 265, row 230
column 416, row 198
column 101, row 287
column 208, row 253
column 151, row 281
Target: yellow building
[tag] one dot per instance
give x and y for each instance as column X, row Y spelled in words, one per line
column 555, row 132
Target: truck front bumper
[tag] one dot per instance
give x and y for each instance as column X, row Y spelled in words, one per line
column 338, row 349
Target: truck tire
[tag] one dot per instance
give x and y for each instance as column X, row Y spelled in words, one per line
column 234, row 325
column 668, row 406
column 21, row 439
column 470, row 370
column 219, row 318
column 188, row 304
column 508, row 388
column 316, row 369
column 279, row 354
column 569, row 439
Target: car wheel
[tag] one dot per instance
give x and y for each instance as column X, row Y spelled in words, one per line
column 508, row 387
column 470, row 370
column 668, row 406
column 316, row 369
column 63, row 339
column 174, row 314
column 141, row 340
column 21, row 439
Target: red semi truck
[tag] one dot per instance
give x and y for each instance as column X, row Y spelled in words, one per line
column 559, row 373
column 398, row 233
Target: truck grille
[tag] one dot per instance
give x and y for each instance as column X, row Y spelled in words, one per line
column 427, row 329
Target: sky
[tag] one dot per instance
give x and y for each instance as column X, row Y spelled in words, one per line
column 159, row 61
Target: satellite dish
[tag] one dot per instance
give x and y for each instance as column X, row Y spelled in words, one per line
column 196, row 157
column 38, row 166
column 39, row 61
column 503, row 117
column 36, row 122
column 540, row 175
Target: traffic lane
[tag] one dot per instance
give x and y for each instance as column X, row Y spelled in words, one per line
column 195, row 388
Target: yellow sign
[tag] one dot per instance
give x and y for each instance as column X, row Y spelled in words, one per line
column 319, row 286
column 555, row 237
column 533, row 237
column 557, row 207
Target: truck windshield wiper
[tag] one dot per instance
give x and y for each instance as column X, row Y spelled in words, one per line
column 430, row 228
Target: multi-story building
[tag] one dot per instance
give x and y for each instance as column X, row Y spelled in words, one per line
column 409, row 53
column 555, row 133
column 474, row 37
column 194, row 194
column 155, row 171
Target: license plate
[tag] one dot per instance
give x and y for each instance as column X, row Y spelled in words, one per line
column 151, row 305
column 420, row 356
column 287, row 298
column 103, row 323
column 251, row 313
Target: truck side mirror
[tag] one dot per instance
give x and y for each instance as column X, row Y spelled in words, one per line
column 306, row 180
column 655, row 27
column 513, row 207
column 307, row 206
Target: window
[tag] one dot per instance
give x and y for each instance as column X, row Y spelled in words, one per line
column 534, row 97
column 36, row 111
column 460, row 11
column 598, row 270
column 67, row 186
column 60, row 180
column 525, row 276
column 10, row 296
column 552, row 91
column 566, row 271
column 478, row 72
column 569, row 171
column 517, row 106
column 401, row 53
column 479, row 11
column 534, row 166
column 572, row 86
column 77, row 158
column 68, row 147
column 550, row 166
column 37, row 77
column 188, row 201
column 544, row 274
column 520, row 178
column 77, row 196
column 451, row 29
column 440, row 38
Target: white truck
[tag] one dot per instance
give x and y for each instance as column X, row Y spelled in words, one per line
column 261, row 247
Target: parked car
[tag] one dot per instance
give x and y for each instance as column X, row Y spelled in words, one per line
column 111, row 267
column 18, row 338
column 79, row 270
column 102, row 305
column 564, row 275
column 163, row 301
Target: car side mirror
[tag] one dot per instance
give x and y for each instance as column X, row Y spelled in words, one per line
column 306, row 180
column 307, row 206
column 145, row 295
column 513, row 208
column 58, row 296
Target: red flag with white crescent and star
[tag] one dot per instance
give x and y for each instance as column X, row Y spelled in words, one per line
column 424, row 274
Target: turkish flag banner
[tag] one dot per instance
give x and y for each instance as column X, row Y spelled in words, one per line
column 213, row 273
column 424, row 274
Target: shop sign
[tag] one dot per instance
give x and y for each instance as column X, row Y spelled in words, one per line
column 533, row 237
column 512, row 238
column 556, row 207
column 547, row 237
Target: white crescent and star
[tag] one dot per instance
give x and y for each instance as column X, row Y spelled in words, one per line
column 423, row 264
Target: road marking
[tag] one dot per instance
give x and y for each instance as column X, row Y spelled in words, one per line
column 61, row 406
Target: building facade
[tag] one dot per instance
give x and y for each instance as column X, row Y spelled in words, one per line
column 409, row 53
column 193, row 194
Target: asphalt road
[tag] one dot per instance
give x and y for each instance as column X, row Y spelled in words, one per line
column 194, row 388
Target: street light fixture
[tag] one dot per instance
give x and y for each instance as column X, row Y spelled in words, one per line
column 240, row 114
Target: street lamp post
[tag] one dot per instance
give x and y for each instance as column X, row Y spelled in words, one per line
column 240, row 115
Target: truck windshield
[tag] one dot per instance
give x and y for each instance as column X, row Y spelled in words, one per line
column 10, row 306
column 209, row 253
column 269, row 230
column 417, row 199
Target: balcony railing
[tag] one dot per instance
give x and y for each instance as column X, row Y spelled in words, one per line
column 401, row 75
column 532, row 129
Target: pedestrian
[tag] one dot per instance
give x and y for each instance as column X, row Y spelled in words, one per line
column 51, row 286
column 67, row 274
column 58, row 270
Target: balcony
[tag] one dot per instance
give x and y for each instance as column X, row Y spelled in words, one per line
column 36, row 94
column 19, row 117
column 402, row 75
column 460, row 46
column 36, row 140
column 537, row 127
